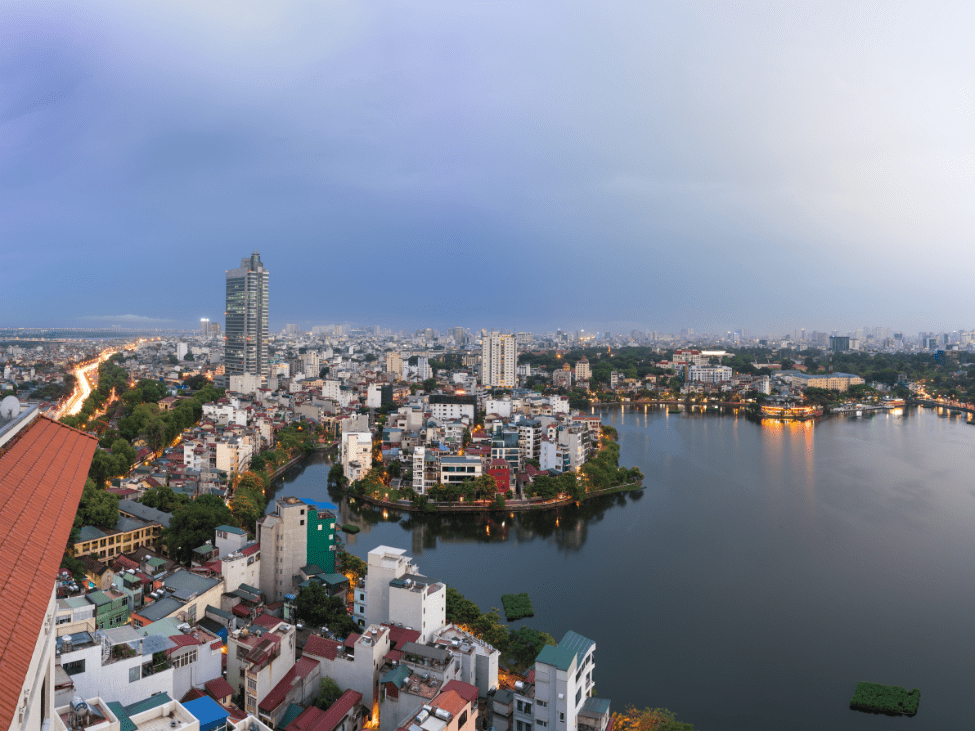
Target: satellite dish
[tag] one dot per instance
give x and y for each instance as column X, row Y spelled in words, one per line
column 10, row 407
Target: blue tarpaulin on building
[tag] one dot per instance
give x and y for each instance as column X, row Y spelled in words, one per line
column 208, row 712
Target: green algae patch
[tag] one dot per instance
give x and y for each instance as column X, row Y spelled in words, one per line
column 517, row 606
column 890, row 699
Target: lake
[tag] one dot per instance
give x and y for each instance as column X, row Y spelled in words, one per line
column 762, row 572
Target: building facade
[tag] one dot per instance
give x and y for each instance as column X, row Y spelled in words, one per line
column 499, row 356
column 247, row 318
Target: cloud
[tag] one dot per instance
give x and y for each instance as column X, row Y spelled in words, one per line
column 128, row 319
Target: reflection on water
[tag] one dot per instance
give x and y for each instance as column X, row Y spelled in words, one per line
column 761, row 573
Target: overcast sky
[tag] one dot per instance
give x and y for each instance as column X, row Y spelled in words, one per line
column 529, row 165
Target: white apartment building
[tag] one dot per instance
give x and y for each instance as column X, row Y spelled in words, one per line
column 374, row 396
column 111, row 663
column 500, row 406
column 563, row 682
column 499, row 356
column 257, row 658
column 354, row 667
column 708, row 373
column 423, row 370
column 356, row 454
column 395, row 593
column 560, row 404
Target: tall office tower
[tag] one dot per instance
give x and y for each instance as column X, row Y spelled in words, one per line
column 247, row 347
column 459, row 335
column 204, row 327
column 499, row 355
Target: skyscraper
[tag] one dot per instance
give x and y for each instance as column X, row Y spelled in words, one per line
column 246, row 350
column 499, row 355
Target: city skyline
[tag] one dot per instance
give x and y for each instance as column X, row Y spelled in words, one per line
column 765, row 165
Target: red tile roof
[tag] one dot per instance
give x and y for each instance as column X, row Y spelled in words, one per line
column 219, row 688
column 266, row 620
column 450, row 700
column 42, row 474
column 321, row 647
column 350, row 640
column 182, row 640
column 315, row 720
column 125, row 563
column 399, row 636
column 279, row 692
column 465, row 690
column 240, row 610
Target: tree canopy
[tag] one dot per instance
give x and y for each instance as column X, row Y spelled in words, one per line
column 194, row 524
column 97, row 507
column 317, row 608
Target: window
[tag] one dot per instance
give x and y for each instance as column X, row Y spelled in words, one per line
column 528, row 710
column 75, row 667
column 578, row 696
column 542, row 704
column 184, row 660
column 463, row 719
column 520, row 725
column 561, row 717
column 242, row 651
column 302, row 522
column 135, row 673
column 541, row 723
column 252, row 683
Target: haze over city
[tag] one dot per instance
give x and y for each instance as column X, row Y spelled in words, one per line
column 714, row 166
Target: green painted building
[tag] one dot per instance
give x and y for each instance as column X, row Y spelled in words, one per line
column 111, row 608
column 321, row 535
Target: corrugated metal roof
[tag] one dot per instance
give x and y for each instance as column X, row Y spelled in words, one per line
column 576, row 642
column 42, row 474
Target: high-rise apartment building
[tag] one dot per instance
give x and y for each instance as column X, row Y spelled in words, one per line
column 499, row 356
column 394, row 364
column 247, row 340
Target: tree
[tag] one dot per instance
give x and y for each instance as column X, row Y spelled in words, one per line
column 352, row 566
column 247, row 507
column 329, row 693
column 97, row 507
column 460, row 609
column 649, row 719
column 316, row 607
column 526, row 643
column 173, row 360
column 490, row 629
column 193, row 524
column 163, row 498
column 188, row 356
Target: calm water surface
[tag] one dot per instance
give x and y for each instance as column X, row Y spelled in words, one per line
column 760, row 574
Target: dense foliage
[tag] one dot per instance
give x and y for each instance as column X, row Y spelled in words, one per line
column 525, row 645
column 648, row 719
column 885, row 699
column 97, row 507
column 328, row 694
column 315, row 607
column 194, row 524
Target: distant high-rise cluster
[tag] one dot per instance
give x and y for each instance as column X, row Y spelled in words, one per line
column 499, row 356
column 247, row 335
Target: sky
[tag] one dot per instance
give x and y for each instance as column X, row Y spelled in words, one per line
column 514, row 165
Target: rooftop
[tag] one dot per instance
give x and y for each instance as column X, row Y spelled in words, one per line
column 43, row 466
